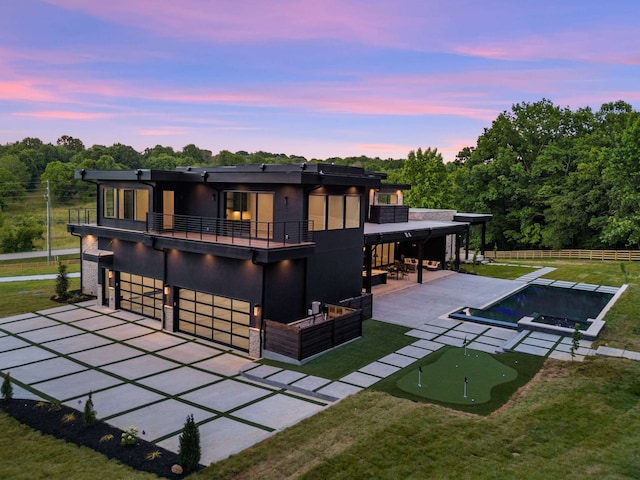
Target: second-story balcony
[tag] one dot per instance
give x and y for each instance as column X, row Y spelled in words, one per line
column 233, row 232
column 237, row 233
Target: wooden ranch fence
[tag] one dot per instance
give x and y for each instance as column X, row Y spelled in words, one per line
column 615, row 255
column 32, row 267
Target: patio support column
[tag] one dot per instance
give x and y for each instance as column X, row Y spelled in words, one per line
column 484, row 237
column 457, row 257
column 367, row 267
column 466, row 244
column 420, row 258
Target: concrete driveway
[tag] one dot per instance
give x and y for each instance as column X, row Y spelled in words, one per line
column 145, row 377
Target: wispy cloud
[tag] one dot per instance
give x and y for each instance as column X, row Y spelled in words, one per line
column 61, row 115
column 601, row 44
column 249, row 20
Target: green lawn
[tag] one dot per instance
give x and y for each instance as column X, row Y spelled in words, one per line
column 378, row 339
column 31, row 296
column 575, row 420
column 38, row 266
column 508, row 272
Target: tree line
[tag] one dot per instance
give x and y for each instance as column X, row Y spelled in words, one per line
column 551, row 177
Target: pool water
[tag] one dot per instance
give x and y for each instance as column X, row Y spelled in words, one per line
column 536, row 300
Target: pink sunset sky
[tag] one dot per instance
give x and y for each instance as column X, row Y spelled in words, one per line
column 313, row 78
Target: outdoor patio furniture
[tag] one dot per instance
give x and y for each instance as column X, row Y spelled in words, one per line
column 411, row 264
column 431, row 264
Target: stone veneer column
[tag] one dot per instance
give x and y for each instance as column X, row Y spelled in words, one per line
column 254, row 342
column 112, row 298
column 167, row 319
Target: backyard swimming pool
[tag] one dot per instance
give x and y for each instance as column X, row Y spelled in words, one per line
column 551, row 305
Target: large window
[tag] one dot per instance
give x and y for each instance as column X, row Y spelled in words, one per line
column 110, row 202
column 383, row 254
column 334, row 212
column 126, row 203
column 386, row 199
column 254, row 208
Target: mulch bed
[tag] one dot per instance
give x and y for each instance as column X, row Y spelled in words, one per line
column 49, row 419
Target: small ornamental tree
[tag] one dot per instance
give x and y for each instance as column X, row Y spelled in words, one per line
column 189, row 453
column 7, row 388
column 575, row 339
column 62, row 282
column 89, row 413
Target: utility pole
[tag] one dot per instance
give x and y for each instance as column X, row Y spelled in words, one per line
column 48, row 195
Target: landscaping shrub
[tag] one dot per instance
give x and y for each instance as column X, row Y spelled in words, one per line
column 89, row 413
column 189, row 453
column 7, row 388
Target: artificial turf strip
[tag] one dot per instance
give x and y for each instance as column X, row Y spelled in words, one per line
column 525, row 365
column 461, row 376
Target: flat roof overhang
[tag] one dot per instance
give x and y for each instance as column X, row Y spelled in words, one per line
column 472, row 218
column 375, row 233
column 306, row 174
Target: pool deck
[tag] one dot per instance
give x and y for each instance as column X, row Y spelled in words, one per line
column 424, row 309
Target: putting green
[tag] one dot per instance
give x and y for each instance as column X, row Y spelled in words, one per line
column 444, row 379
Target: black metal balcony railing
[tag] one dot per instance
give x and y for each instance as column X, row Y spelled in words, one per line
column 80, row 216
column 245, row 232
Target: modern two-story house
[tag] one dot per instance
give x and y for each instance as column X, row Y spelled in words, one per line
column 212, row 252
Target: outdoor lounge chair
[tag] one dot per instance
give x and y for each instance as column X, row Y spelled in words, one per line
column 410, row 264
column 431, row 264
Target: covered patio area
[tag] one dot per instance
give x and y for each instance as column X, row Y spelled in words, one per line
column 407, row 251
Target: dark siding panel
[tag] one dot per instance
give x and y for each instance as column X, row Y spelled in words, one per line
column 284, row 297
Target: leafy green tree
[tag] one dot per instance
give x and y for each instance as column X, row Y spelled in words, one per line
column 103, row 162
column 622, row 179
column 429, row 180
column 192, row 155
column 21, row 237
column 162, row 161
column 11, row 188
column 554, row 178
column 125, row 155
column 225, row 157
column 157, row 150
column 13, row 164
column 71, row 144
column 63, row 186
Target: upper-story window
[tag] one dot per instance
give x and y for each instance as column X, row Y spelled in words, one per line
column 126, row 203
column 386, row 199
column 256, row 208
column 334, row 212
